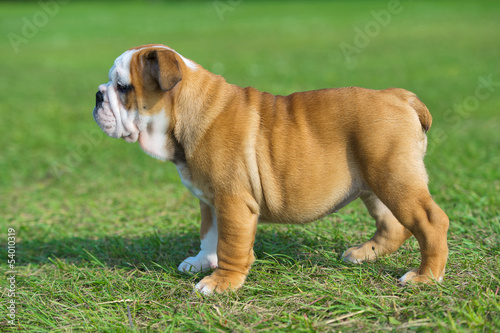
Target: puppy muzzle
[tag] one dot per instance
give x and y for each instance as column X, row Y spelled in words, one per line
column 110, row 123
column 105, row 118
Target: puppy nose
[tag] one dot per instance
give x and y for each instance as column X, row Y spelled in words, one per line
column 99, row 98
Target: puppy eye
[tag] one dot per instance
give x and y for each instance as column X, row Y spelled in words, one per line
column 123, row 88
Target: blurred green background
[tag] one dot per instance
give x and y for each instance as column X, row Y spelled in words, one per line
column 53, row 57
column 435, row 49
column 62, row 180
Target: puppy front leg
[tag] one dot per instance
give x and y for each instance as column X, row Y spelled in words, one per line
column 236, row 226
column 207, row 257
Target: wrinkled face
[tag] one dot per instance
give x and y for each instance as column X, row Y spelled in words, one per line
column 111, row 112
column 136, row 103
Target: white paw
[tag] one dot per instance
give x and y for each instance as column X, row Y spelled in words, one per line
column 355, row 255
column 220, row 281
column 202, row 262
column 413, row 276
column 203, row 289
column 347, row 257
column 408, row 276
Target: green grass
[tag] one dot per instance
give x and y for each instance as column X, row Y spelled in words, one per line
column 101, row 227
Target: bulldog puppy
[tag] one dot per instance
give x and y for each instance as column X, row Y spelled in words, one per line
column 251, row 156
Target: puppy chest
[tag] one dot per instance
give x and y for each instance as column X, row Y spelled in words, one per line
column 186, row 180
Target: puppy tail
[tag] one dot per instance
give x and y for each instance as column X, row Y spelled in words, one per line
column 423, row 113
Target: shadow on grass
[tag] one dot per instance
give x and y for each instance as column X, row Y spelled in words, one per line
column 170, row 249
column 165, row 251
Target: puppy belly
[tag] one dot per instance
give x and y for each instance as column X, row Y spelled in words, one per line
column 301, row 212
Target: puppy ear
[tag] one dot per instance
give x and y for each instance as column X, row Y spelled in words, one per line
column 163, row 69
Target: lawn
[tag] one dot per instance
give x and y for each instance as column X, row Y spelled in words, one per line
column 100, row 227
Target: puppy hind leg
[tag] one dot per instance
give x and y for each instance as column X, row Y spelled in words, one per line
column 388, row 238
column 396, row 174
column 429, row 223
column 409, row 200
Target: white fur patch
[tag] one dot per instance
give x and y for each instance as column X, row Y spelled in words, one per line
column 120, row 71
column 206, row 259
column 154, row 142
column 185, row 176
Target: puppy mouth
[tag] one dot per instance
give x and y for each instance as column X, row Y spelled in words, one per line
column 131, row 137
column 106, row 121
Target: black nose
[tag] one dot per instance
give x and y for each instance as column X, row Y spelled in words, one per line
column 99, row 98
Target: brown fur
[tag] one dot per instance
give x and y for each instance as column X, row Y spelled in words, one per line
column 293, row 159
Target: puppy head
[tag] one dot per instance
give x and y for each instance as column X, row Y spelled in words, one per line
column 136, row 103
